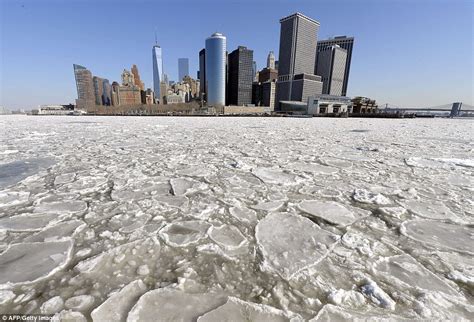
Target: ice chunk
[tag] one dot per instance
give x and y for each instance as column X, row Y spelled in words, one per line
column 179, row 186
column 407, row 272
column 29, row 262
column 392, row 212
column 13, row 198
column 61, row 207
column 64, row 178
column 172, row 201
column 168, row 304
column 429, row 209
column 58, row 231
column 117, row 306
column 275, row 176
column 330, row 211
column 80, row 303
column 313, row 167
column 6, row 296
column 365, row 196
column 440, row 235
column 335, row 313
column 69, row 316
column 52, row 306
column 241, row 311
column 439, row 162
column 184, row 233
column 110, row 259
column 348, row 298
column 227, row 236
column 28, row 222
column 243, row 214
column 377, row 295
column 269, row 205
column 335, row 162
column 290, row 243
column 143, row 270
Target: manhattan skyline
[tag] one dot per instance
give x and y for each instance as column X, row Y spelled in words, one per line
column 402, row 55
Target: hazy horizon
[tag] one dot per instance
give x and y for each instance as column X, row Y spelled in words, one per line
column 406, row 53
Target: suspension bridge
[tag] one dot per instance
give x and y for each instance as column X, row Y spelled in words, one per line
column 453, row 109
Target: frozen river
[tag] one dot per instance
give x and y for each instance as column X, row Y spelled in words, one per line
column 236, row 219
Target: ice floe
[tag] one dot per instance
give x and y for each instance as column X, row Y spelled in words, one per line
column 440, row 235
column 275, row 176
column 291, row 243
column 368, row 197
column 118, row 305
column 184, row 233
column 330, row 211
column 28, row 262
column 227, row 236
column 429, row 209
column 62, row 207
column 168, row 304
column 405, row 271
column 241, row 311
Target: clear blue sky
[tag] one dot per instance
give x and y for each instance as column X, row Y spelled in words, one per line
column 407, row 52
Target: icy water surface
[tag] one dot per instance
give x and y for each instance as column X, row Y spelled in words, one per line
column 236, row 219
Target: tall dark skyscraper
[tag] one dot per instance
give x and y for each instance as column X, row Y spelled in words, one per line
column 183, row 68
column 202, row 72
column 85, row 87
column 240, row 76
column 344, row 42
column 298, row 39
column 331, row 66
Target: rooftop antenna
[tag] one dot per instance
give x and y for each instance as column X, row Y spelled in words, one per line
column 156, row 39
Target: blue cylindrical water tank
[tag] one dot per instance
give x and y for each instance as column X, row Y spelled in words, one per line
column 215, row 69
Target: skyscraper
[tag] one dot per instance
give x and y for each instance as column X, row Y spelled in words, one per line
column 216, row 69
column 202, row 72
column 157, row 70
column 98, row 89
column 107, row 93
column 136, row 75
column 183, row 68
column 271, row 60
column 254, row 71
column 296, row 79
column 240, row 76
column 85, row 87
column 331, row 67
column 346, row 43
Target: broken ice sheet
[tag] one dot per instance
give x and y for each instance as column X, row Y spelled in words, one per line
column 62, row 207
column 275, row 176
column 291, row 243
column 28, row 262
column 237, row 310
column 117, row 306
column 429, row 209
column 440, row 235
column 184, row 233
column 405, row 272
column 169, row 304
column 330, row 211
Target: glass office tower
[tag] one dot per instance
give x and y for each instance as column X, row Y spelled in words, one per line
column 215, row 69
column 157, row 71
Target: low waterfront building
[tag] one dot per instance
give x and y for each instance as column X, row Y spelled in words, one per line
column 320, row 105
column 363, row 105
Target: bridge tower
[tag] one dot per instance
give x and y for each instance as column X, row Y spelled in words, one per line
column 455, row 109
